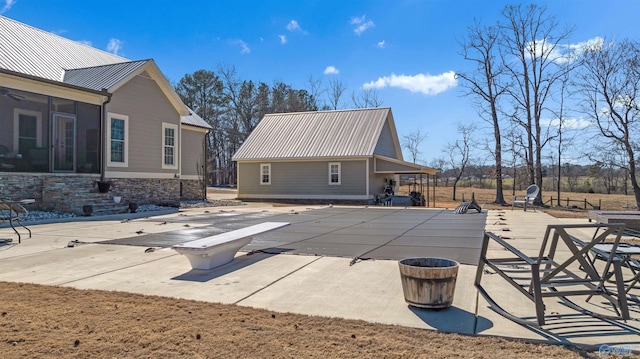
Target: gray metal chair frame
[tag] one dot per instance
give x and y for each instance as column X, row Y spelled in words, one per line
column 530, row 275
column 15, row 212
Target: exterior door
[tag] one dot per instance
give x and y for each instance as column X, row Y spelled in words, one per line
column 64, row 143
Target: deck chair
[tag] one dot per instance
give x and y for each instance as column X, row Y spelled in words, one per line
column 13, row 212
column 464, row 206
column 532, row 193
column 550, row 275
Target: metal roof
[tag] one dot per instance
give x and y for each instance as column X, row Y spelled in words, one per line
column 35, row 52
column 323, row 134
column 102, row 77
column 194, row 120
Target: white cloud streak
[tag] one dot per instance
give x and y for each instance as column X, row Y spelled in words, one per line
column 331, row 70
column 567, row 123
column 283, row 39
column 382, row 44
column 114, row 46
column 7, row 6
column 244, row 49
column 423, row 83
column 361, row 25
column 85, row 42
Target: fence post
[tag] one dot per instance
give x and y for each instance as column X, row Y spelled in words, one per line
column 600, row 203
column 585, row 203
column 567, row 202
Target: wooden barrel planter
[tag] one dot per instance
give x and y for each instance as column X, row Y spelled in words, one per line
column 428, row 282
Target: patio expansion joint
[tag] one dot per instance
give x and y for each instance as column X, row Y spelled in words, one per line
column 276, row 281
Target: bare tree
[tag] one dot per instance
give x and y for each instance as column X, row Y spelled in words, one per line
column 314, row 88
column 366, row 98
column 412, row 142
column 484, row 85
column 531, row 55
column 610, row 85
column 458, row 153
column 335, row 90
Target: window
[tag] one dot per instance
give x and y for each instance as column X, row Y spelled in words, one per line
column 27, row 130
column 265, row 173
column 169, row 146
column 334, row 173
column 118, row 130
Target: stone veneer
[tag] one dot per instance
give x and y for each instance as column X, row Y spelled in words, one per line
column 69, row 192
column 193, row 190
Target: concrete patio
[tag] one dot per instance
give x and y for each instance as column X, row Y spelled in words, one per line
column 331, row 261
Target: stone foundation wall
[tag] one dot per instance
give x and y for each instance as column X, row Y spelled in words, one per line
column 192, row 190
column 18, row 186
column 68, row 193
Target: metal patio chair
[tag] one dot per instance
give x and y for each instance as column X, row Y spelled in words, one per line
column 544, row 276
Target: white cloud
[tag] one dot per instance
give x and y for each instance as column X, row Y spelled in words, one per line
column 283, row 39
column 243, row 46
column 382, row 44
column 361, row 24
column 331, row 70
column 85, row 42
column 7, row 5
column 563, row 54
column 357, row 20
column 114, row 46
column 293, row 26
column 423, row 83
column 567, row 123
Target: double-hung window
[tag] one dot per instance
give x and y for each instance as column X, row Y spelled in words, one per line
column 169, row 146
column 265, row 173
column 118, row 143
column 335, row 176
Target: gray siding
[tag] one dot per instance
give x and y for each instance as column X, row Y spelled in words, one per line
column 385, row 145
column 192, row 152
column 303, row 178
column 376, row 180
column 147, row 107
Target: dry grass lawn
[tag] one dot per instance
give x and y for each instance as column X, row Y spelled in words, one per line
column 55, row 322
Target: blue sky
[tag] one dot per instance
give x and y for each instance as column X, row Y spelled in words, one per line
column 409, row 49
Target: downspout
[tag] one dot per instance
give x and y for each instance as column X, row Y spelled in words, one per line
column 103, row 126
column 205, row 174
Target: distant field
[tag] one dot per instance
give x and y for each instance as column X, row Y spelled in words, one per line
column 444, row 198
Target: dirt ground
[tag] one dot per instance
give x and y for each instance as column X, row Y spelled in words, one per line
column 52, row 322
column 55, row 322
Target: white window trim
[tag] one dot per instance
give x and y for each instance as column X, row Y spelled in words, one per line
column 175, row 146
column 268, row 165
column 16, row 126
column 339, row 164
column 125, row 118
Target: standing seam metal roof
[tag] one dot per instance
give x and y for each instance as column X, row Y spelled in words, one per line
column 323, row 134
column 28, row 50
column 104, row 76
